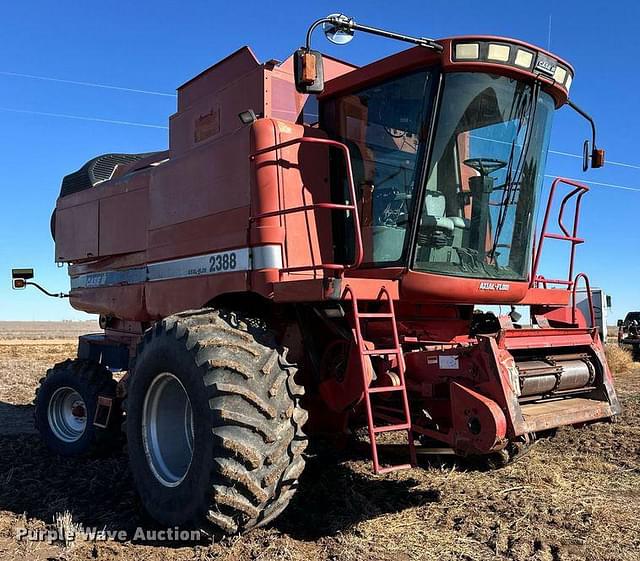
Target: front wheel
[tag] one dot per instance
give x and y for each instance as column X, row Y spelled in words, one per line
column 214, row 423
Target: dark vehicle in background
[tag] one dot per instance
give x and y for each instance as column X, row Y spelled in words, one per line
column 629, row 333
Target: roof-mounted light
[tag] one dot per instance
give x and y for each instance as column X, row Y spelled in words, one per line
column 498, row 52
column 567, row 83
column 560, row 74
column 467, row 51
column 512, row 55
column 523, row 59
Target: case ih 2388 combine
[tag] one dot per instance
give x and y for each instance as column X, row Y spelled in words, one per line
column 308, row 255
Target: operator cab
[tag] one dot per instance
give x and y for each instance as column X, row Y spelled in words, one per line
column 447, row 187
column 448, row 148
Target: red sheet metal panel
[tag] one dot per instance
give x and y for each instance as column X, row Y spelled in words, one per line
column 123, row 222
column 77, row 232
column 119, row 301
column 544, row 338
column 167, row 297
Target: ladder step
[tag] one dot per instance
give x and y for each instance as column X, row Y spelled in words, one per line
column 382, row 389
column 389, row 469
column 368, row 315
column 381, row 352
column 388, row 409
column 392, row 428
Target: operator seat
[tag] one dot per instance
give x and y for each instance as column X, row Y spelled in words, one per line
column 439, row 232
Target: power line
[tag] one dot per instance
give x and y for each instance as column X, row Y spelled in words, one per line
column 165, row 94
column 556, row 152
column 598, row 183
column 607, row 162
column 162, row 127
column 83, row 118
column 87, row 84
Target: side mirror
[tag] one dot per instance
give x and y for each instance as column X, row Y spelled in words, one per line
column 608, row 301
column 308, row 71
column 620, row 323
column 19, row 278
column 585, row 155
column 597, row 158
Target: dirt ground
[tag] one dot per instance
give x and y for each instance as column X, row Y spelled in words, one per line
column 576, row 496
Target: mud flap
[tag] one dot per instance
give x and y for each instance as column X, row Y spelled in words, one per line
column 103, row 412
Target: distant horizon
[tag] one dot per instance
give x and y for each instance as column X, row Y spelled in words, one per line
column 49, row 320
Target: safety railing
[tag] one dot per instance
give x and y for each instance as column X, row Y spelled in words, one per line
column 566, row 234
column 587, row 286
column 352, row 207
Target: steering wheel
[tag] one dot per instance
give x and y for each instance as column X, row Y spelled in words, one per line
column 485, row 166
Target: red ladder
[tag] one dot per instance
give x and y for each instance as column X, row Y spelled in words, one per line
column 403, row 423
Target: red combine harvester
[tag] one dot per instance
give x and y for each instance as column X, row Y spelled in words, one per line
column 314, row 246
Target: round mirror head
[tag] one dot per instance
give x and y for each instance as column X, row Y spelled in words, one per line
column 338, row 34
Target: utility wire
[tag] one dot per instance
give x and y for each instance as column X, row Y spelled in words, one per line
column 557, row 152
column 88, row 84
column 598, row 183
column 607, row 162
column 83, row 118
column 162, row 127
column 165, row 94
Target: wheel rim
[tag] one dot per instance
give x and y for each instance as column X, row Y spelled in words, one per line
column 167, row 429
column 67, row 414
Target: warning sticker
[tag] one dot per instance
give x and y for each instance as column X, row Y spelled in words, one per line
column 448, row 362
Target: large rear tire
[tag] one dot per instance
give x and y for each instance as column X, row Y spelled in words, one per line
column 214, row 423
column 65, row 408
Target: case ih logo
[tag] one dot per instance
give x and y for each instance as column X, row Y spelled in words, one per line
column 494, row 286
column 97, row 279
column 546, row 65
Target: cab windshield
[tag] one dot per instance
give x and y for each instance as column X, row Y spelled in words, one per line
column 473, row 210
column 485, row 172
column 383, row 127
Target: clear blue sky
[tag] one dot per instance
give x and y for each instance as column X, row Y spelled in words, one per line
column 158, row 45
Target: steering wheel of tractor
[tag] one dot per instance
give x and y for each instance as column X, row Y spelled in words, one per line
column 485, row 166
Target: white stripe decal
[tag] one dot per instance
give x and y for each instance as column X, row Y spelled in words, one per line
column 223, row 262
column 237, row 260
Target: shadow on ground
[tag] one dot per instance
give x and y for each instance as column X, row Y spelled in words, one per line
column 98, row 491
column 333, row 497
column 16, row 419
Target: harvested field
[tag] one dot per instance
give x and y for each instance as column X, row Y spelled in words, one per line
column 46, row 330
column 574, row 497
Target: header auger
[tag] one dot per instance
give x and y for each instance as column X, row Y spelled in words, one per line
column 309, row 254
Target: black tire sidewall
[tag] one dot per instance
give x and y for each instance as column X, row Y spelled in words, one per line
column 54, row 381
column 170, row 505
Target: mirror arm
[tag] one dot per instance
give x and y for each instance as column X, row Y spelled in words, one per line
column 52, row 294
column 312, row 28
column 588, row 118
column 348, row 23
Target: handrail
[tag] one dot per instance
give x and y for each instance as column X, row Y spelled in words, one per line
column 359, row 250
column 587, row 285
column 571, row 236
